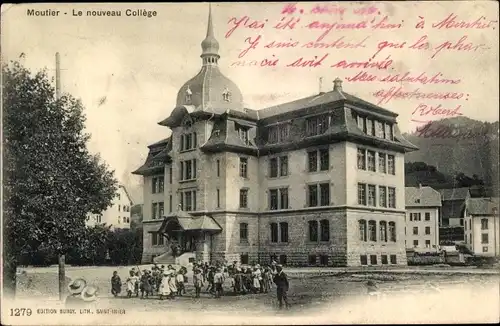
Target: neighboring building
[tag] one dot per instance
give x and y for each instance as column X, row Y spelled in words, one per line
column 422, row 218
column 118, row 214
column 453, row 209
column 482, row 226
column 315, row 181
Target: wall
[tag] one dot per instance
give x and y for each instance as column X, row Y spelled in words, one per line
column 356, row 247
column 433, row 237
column 493, row 232
column 148, row 249
column 115, row 214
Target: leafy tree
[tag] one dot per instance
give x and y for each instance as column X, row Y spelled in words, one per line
column 51, row 181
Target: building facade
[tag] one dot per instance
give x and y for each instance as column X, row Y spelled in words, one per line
column 423, row 205
column 118, row 214
column 482, row 227
column 315, row 181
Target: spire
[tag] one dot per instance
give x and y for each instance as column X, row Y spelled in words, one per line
column 210, row 46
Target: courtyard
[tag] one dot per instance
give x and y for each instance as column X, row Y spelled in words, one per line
column 330, row 295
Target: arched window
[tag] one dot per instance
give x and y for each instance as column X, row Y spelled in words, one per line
column 124, row 219
column 392, row 231
column 362, row 230
column 383, row 231
column 313, row 231
column 372, row 230
column 325, row 230
column 243, row 232
column 274, row 232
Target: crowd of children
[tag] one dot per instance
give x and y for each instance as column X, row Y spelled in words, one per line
column 169, row 282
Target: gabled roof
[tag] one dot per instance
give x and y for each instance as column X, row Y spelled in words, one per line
column 183, row 221
column 482, row 206
column 454, row 194
column 453, row 209
column 126, row 192
column 422, row 197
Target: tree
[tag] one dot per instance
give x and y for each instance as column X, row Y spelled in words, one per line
column 51, row 181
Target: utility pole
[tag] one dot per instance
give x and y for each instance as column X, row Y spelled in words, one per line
column 62, row 258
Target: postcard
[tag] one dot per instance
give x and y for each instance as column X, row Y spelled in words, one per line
column 250, row 163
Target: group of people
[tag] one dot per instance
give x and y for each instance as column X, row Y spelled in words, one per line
column 169, row 282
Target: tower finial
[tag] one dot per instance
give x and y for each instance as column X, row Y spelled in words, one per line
column 210, row 46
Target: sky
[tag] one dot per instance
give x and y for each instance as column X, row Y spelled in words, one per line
column 138, row 64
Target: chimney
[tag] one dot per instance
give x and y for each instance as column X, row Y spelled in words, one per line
column 337, row 84
column 321, row 85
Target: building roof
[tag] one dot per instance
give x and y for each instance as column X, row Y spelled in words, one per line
column 453, row 209
column 482, row 206
column 157, row 157
column 126, row 193
column 422, row 197
column 184, row 221
column 454, row 194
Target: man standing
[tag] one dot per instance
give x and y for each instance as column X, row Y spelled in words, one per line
column 281, row 282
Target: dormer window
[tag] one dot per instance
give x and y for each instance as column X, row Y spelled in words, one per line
column 226, row 95
column 417, row 201
column 188, row 95
column 243, row 133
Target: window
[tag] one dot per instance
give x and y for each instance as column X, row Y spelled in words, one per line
column 243, row 232
column 363, row 259
column 279, row 133
column 161, row 240
column 218, row 168
column 372, row 230
column 226, row 95
column 392, row 197
column 273, row 167
column 324, row 191
column 313, row 195
column 170, row 175
column 244, row 259
column 362, row 123
column 362, row 230
column 119, row 207
column 373, row 259
column 188, row 200
column 154, row 238
column 415, row 243
column 484, row 224
column 317, row 125
column 243, row 133
column 391, row 164
column 284, row 231
column 188, row 95
column 154, row 211
column 427, row 216
column 369, row 127
column 382, row 196
column 323, row 260
column 278, row 198
column 361, row 159
column 485, row 249
column 273, row 199
column 371, row 160
column 170, row 204
column 324, row 230
column 274, row 232
column 361, row 194
column 312, row 158
column 371, row 196
column 461, row 222
column 313, row 231
column 312, row 259
column 381, row 163
column 161, row 184
column 188, row 141
column 484, row 238
column 393, row 259
column 218, row 198
column 415, row 230
column 283, row 166
column 98, row 218
column 188, row 170
column 415, row 217
column 427, row 243
column 324, row 159
column 161, row 209
column 380, row 131
column 384, row 259
column 383, row 231
column 128, row 220
column 283, row 199
column 243, row 167
column 427, row 230
column 389, row 131
column 392, row 231
column 243, row 198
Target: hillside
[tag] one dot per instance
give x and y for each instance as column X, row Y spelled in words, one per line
column 475, row 154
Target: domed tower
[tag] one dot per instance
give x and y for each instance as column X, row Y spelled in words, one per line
column 210, row 90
